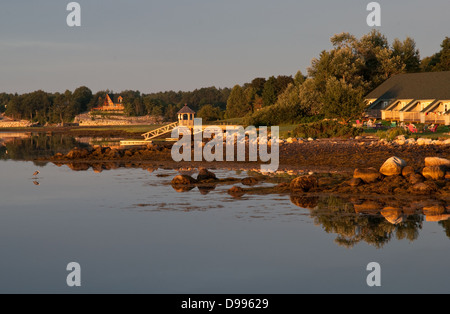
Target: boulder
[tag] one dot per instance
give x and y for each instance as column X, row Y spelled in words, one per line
column 424, row 141
column 393, row 166
column 436, row 162
column 408, row 170
column 204, row 175
column 249, row 181
column 73, row 154
column 291, row 140
column 355, row 182
column 183, row 180
column 303, row 184
column 422, row 188
column 415, row 178
column 236, row 191
column 368, row 175
column 434, row 173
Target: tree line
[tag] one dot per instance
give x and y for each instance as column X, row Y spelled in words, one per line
column 42, row 107
column 334, row 87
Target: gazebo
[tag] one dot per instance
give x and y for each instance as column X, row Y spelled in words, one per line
column 186, row 116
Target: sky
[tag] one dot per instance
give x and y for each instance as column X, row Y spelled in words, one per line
column 158, row 45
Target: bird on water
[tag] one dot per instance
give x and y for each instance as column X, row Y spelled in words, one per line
column 36, row 173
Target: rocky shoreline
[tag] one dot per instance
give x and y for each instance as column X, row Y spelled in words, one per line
column 364, row 166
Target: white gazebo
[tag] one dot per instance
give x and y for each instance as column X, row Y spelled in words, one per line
column 186, row 117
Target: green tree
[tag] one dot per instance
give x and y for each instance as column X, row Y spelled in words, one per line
column 342, row 101
column 439, row 61
column 299, row 78
column 408, row 53
column 209, row 113
column 81, row 98
column 237, row 105
column 269, row 94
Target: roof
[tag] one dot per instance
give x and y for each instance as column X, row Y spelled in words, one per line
column 114, row 98
column 186, row 109
column 429, row 85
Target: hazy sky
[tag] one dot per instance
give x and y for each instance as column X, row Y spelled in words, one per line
column 186, row 44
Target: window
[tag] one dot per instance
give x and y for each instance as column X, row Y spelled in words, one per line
column 185, row 117
column 385, row 104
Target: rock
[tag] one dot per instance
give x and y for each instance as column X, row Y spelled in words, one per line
column 358, row 138
column 355, row 182
column 422, row 188
column 250, row 181
column 291, row 140
column 368, row 175
column 415, row 178
column 236, row 191
column 393, row 166
column 204, row 175
column 303, row 184
column 183, row 180
column 424, row 141
column 73, row 154
column 408, row 170
column 447, row 175
column 436, row 162
column 434, row 173
column 311, row 139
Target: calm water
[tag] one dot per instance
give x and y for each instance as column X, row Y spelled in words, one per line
column 132, row 232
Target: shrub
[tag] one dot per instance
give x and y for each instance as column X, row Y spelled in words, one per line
column 326, row 129
column 391, row 134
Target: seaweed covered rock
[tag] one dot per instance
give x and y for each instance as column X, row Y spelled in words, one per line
column 303, row 184
column 183, row 180
column 250, row 181
column 236, row 191
column 407, row 171
column 369, row 175
column 205, row 175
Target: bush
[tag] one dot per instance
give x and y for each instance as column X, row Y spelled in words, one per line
column 326, row 129
column 391, row 134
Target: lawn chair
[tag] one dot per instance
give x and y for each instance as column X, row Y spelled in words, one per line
column 433, row 129
column 412, row 128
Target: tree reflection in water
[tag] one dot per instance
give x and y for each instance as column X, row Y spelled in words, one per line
column 372, row 221
column 38, row 145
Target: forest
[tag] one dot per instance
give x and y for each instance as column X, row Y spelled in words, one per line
column 334, row 87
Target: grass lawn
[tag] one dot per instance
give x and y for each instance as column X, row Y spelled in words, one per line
column 126, row 128
column 441, row 132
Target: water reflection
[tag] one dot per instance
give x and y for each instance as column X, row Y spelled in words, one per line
column 29, row 146
column 375, row 222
